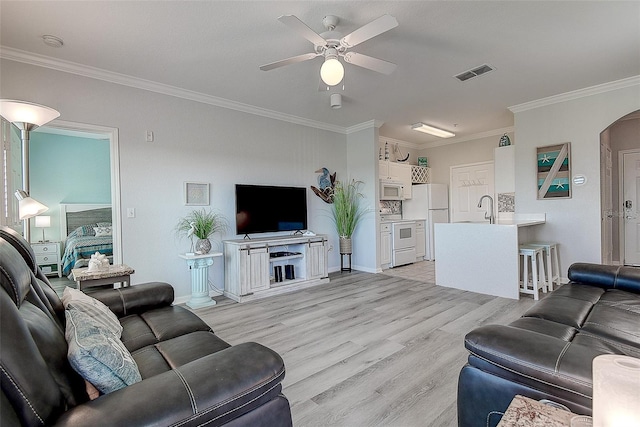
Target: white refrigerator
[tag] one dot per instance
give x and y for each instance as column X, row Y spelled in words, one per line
column 431, row 203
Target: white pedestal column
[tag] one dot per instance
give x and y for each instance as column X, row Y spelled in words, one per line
column 199, row 266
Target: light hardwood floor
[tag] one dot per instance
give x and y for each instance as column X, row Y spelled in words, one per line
column 367, row 349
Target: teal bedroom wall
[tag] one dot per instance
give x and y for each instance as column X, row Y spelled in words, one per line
column 68, row 169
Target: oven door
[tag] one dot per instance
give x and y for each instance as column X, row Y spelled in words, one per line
column 404, row 235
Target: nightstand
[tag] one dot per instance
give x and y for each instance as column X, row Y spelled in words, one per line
column 48, row 257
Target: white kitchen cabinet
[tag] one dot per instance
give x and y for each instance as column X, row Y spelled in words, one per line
column 421, row 240
column 385, row 245
column 505, row 169
column 249, row 265
column 399, row 172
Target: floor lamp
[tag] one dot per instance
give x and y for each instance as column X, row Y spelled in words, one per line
column 26, row 116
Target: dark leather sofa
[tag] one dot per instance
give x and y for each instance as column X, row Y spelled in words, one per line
column 189, row 375
column 548, row 352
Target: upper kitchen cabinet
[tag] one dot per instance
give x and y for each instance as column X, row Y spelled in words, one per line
column 399, row 172
column 505, row 169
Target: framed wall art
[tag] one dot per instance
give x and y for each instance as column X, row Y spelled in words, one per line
column 196, row 193
column 554, row 171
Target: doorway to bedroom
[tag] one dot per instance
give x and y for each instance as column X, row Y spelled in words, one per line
column 75, row 166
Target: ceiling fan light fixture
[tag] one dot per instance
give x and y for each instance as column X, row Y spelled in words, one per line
column 332, row 70
column 421, row 127
column 336, row 101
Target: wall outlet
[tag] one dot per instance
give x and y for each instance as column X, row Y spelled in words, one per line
column 131, row 212
column 149, row 136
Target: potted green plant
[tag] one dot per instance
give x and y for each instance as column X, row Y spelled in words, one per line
column 347, row 211
column 202, row 224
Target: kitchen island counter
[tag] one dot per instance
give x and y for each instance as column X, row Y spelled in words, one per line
column 482, row 257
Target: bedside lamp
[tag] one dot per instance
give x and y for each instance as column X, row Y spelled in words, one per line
column 27, row 206
column 43, row 221
column 616, row 385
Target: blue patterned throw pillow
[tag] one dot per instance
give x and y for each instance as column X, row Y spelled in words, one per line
column 99, row 313
column 98, row 354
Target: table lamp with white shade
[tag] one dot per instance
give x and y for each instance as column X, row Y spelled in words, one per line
column 43, row 221
column 616, row 391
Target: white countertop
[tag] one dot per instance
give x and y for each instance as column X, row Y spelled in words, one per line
column 390, row 221
column 519, row 220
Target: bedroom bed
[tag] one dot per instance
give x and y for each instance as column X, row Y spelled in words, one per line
column 88, row 229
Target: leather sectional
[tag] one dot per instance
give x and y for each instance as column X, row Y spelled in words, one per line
column 548, row 352
column 189, row 375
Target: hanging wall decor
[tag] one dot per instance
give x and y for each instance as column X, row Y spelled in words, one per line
column 554, row 171
column 196, row 194
column 326, row 184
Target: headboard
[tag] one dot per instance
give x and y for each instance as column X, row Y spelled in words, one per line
column 73, row 216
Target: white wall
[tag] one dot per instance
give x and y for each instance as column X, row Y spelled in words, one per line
column 193, row 142
column 574, row 223
column 442, row 158
column 362, row 156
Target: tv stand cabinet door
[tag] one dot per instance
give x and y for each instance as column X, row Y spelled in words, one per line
column 317, row 261
column 255, row 267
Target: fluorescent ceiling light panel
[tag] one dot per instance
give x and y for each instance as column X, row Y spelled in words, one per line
column 421, row 127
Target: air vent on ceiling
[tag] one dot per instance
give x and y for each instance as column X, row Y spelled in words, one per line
column 484, row 68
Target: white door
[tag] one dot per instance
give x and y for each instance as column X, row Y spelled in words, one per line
column 468, row 184
column 607, row 204
column 631, row 198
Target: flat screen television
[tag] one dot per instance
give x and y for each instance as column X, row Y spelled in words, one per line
column 264, row 209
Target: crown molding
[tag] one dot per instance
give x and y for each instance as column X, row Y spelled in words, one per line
column 362, row 126
column 143, row 84
column 577, row 94
column 487, row 134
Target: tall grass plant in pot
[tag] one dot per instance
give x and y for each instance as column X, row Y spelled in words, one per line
column 201, row 224
column 348, row 210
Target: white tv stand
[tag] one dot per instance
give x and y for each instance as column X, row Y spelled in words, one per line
column 249, row 265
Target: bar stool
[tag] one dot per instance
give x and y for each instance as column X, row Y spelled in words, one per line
column 531, row 255
column 551, row 263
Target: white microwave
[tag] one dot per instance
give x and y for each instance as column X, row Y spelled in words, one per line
column 391, row 190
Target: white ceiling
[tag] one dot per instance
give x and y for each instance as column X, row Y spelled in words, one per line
column 538, row 49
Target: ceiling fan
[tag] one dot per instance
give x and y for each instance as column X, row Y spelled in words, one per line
column 332, row 45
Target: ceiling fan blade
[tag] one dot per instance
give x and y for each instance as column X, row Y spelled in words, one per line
column 370, row 30
column 369, row 62
column 301, row 28
column 292, row 60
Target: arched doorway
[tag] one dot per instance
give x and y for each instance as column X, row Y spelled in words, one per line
column 619, row 151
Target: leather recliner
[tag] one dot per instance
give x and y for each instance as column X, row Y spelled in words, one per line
column 548, row 352
column 189, row 375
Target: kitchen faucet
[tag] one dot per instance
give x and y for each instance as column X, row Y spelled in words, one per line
column 491, row 218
